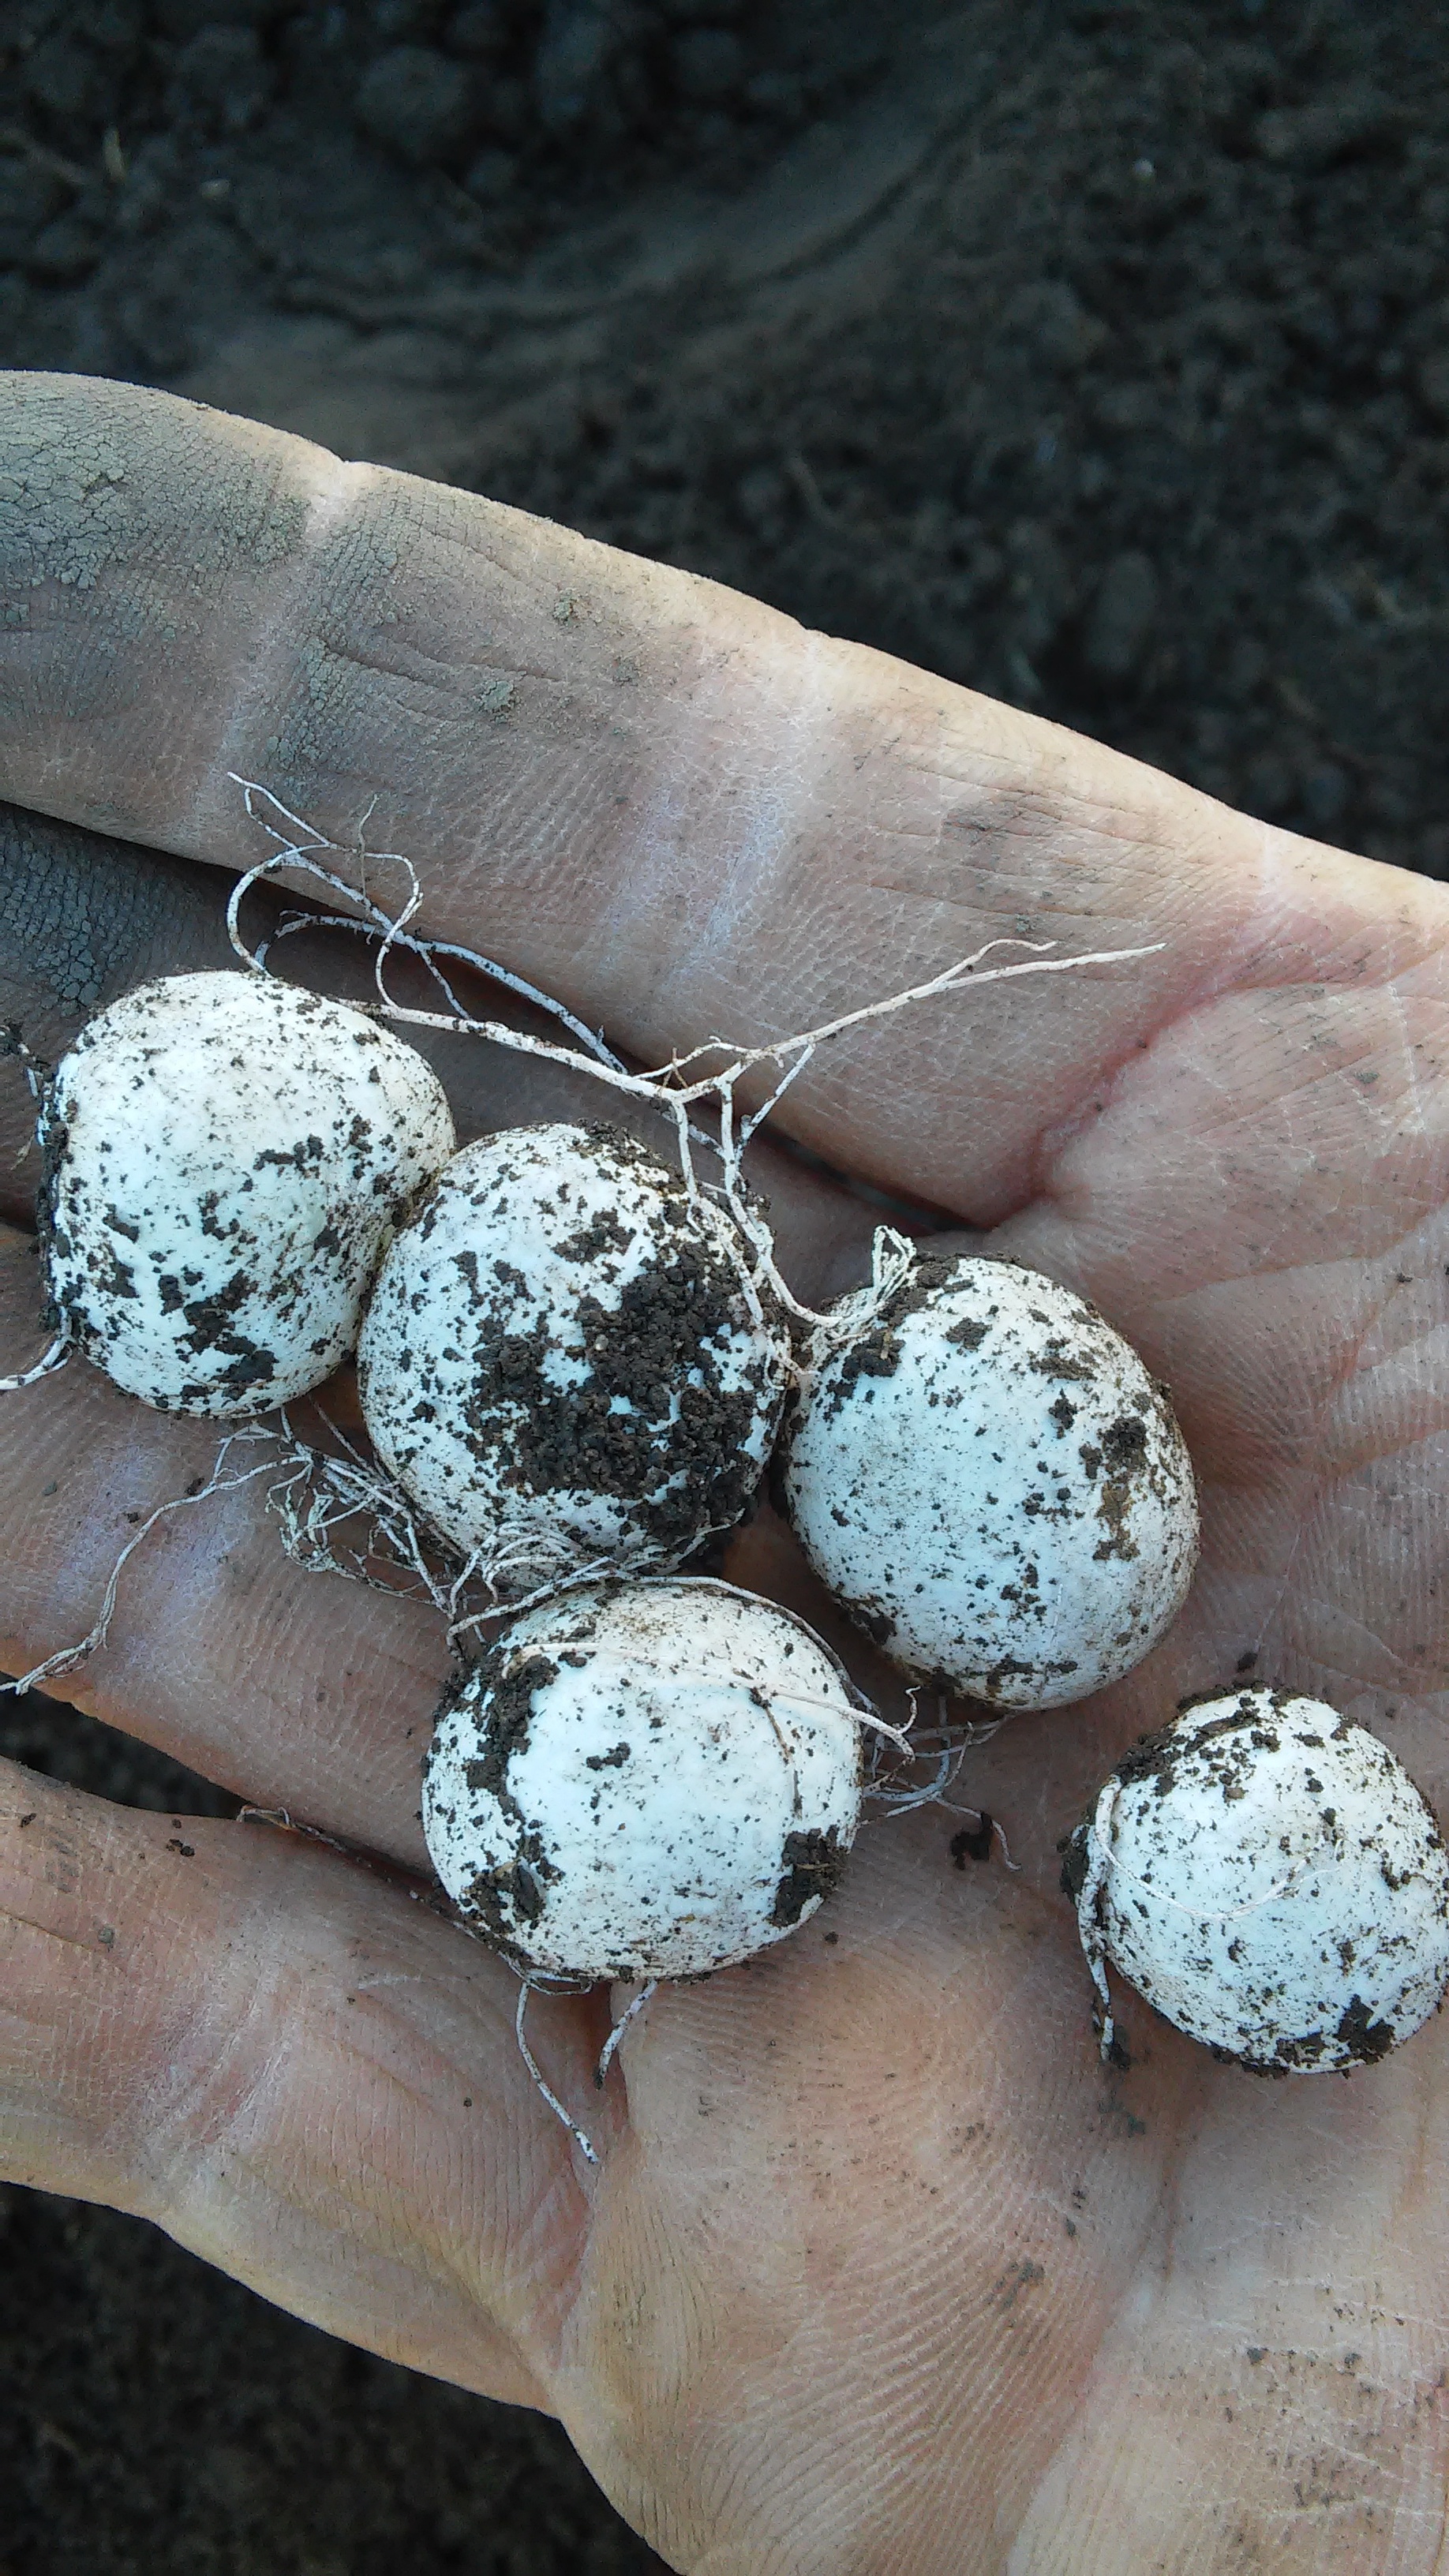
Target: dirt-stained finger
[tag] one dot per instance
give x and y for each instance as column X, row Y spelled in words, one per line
column 663, row 802
column 292, row 2067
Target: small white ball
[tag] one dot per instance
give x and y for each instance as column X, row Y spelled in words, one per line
column 1269, row 1876
column 559, row 1363
column 224, row 1160
column 995, row 1488
column 644, row 1780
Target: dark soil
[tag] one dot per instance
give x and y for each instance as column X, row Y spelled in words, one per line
column 1096, row 355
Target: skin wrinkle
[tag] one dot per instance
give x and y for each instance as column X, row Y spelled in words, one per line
column 1317, row 1487
column 48, row 1930
column 663, row 820
column 52, row 925
column 1378, row 2225
column 90, row 503
column 396, row 496
column 255, row 682
column 191, row 2106
column 872, row 2269
column 1417, row 1121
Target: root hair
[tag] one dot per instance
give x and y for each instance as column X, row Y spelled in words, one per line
column 672, row 1088
column 627, row 2018
column 218, row 1482
column 531, row 1985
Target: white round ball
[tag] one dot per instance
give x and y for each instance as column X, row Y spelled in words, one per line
column 1269, row 1876
column 225, row 1158
column 644, row 1780
column 995, row 1488
column 559, row 1365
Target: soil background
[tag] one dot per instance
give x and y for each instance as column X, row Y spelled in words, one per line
column 1096, row 356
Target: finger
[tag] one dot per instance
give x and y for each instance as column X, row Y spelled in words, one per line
column 663, row 802
column 292, row 1689
column 81, row 918
column 85, row 917
column 291, row 2067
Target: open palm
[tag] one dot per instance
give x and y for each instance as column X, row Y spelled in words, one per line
column 882, row 2270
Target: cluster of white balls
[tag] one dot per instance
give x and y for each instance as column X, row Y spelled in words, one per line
column 574, row 1376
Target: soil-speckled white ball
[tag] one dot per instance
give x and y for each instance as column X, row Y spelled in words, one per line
column 644, row 1780
column 1269, row 1876
column 225, row 1158
column 559, row 1364
column 993, row 1485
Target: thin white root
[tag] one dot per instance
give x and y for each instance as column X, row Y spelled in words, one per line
column 666, row 1087
column 1234, row 1913
column 298, row 846
column 903, row 1802
column 627, row 2017
column 55, row 1358
column 580, row 2137
column 68, row 1657
column 320, row 1492
column 501, row 1607
column 893, row 1258
column 286, row 1823
column 33, row 1066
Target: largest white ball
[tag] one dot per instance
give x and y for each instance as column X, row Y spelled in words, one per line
column 647, row 1780
column 225, row 1159
column 994, row 1485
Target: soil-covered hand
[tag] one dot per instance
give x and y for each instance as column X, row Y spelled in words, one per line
column 881, row 2269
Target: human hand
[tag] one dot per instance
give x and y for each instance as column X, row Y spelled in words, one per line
column 881, row 2270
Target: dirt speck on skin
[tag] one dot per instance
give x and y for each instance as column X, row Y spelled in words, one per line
column 973, row 1842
